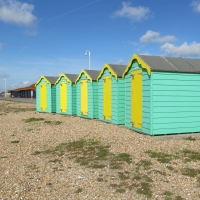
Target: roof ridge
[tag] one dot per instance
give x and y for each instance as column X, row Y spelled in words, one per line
column 169, row 62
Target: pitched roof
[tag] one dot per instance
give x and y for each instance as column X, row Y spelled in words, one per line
column 160, row 63
column 118, row 69
column 72, row 77
column 92, row 73
column 30, row 87
column 51, row 79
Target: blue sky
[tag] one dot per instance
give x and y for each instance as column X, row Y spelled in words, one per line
column 40, row 37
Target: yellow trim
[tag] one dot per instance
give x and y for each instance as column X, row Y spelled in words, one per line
column 107, row 97
column 140, row 62
column 83, row 72
column 84, row 97
column 63, row 75
column 109, row 68
column 42, row 77
column 136, row 99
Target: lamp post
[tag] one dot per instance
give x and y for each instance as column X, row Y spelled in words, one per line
column 87, row 53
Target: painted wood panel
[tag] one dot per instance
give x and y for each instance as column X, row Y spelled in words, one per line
column 43, row 97
column 50, row 97
column 92, row 98
column 70, row 101
column 146, row 100
column 63, row 97
column 136, row 99
column 84, row 97
column 176, row 103
column 107, row 104
column 117, row 98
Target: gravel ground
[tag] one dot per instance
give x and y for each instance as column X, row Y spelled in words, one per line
column 26, row 174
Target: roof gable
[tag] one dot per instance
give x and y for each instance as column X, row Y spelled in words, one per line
column 49, row 79
column 69, row 77
column 115, row 69
column 90, row 74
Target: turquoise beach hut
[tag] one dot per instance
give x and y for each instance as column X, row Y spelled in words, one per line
column 66, row 94
column 162, row 95
column 111, row 89
column 87, row 94
column 46, row 94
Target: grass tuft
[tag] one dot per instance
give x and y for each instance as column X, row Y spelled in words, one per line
column 145, row 189
column 33, row 119
column 120, row 190
column 190, row 138
column 190, row 172
column 146, row 164
column 161, row 157
column 15, row 141
column 79, row 190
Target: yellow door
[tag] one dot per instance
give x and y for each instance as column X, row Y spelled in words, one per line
column 84, row 97
column 63, row 97
column 107, row 98
column 136, row 99
column 43, row 97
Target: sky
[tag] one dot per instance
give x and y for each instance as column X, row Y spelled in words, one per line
column 50, row 37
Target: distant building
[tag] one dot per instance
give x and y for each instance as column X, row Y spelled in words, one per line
column 26, row 92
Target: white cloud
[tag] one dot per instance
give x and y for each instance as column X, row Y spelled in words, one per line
column 13, row 11
column 196, row 6
column 25, row 82
column 21, row 84
column 134, row 13
column 151, row 36
column 120, row 62
column 185, row 49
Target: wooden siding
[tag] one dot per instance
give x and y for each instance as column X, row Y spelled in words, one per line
column 71, row 97
column 92, row 98
column 74, row 100
column 117, row 99
column 58, row 90
column 146, row 100
column 175, row 103
column 51, row 97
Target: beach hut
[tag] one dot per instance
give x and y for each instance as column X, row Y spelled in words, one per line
column 66, row 94
column 46, row 94
column 111, row 89
column 162, row 95
column 87, row 94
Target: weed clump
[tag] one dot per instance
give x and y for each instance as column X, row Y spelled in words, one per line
column 33, row 119
column 15, row 141
column 161, row 157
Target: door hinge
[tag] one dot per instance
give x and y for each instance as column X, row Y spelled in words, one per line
column 132, row 76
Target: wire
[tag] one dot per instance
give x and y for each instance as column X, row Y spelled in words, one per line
column 71, row 11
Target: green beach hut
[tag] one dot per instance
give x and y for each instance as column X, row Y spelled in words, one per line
column 87, row 94
column 162, row 95
column 46, row 94
column 111, row 89
column 66, row 94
